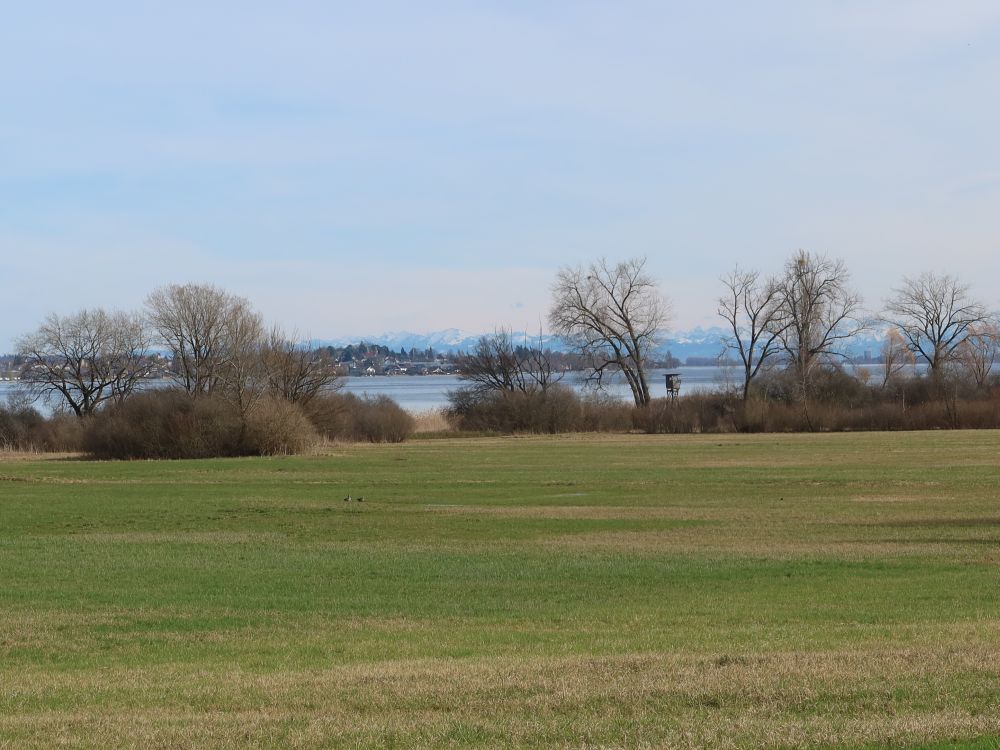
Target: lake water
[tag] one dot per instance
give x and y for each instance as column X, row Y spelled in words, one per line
column 418, row 393
column 424, row 392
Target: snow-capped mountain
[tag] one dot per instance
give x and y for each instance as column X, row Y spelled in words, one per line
column 711, row 342
column 697, row 342
column 448, row 340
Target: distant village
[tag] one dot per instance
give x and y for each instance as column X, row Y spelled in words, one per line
column 371, row 360
column 356, row 360
column 363, row 359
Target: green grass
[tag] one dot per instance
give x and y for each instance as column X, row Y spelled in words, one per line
column 737, row 591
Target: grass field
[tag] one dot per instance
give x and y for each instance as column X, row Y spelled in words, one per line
column 626, row 591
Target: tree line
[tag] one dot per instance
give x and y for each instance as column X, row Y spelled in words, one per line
column 216, row 342
column 791, row 326
column 803, row 317
column 237, row 386
column 799, row 320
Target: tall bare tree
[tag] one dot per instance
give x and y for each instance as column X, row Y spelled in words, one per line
column 895, row 356
column 818, row 312
column 751, row 307
column 201, row 325
column 242, row 372
column 613, row 315
column 295, row 373
column 978, row 351
column 87, row 359
column 497, row 364
column 934, row 313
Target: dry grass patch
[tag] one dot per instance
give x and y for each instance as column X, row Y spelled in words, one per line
column 19, row 455
column 815, row 699
column 431, row 420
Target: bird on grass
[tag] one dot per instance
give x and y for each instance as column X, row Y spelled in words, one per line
column 347, row 499
column 361, row 499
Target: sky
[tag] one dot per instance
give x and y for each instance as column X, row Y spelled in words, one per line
column 359, row 168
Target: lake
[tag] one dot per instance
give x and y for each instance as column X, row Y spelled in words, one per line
column 417, row 393
column 423, row 392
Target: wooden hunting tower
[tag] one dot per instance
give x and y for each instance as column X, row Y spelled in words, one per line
column 673, row 384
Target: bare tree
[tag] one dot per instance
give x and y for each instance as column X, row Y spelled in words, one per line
column 895, row 356
column 611, row 314
column 242, row 376
column 536, row 362
column 294, row 373
column 199, row 323
column 818, row 312
column 978, row 350
column 751, row 307
column 934, row 313
column 87, row 359
column 498, row 365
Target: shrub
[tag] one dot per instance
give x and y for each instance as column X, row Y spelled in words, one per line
column 344, row 416
column 16, row 427
column 23, row 428
column 602, row 412
column 758, row 415
column 329, row 414
column 60, row 433
column 379, row 420
column 555, row 409
column 278, row 427
column 165, row 424
column 699, row 412
column 172, row 424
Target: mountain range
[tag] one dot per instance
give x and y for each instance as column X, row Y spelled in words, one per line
column 697, row 342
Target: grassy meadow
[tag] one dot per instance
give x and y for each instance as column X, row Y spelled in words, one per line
column 837, row 590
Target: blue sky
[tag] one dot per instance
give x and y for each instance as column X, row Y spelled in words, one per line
column 365, row 167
